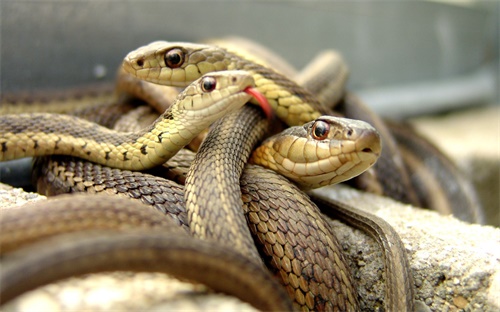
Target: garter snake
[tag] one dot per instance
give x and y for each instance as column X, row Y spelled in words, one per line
column 200, row 104
column 316, row 295
column 291, row 211
column 279, row 105
column 145, row 242
column 179, row 63
column 176, row 63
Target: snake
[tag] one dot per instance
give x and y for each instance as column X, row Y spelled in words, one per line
column 178, row 63
column 145, row 243
column 265, row 85
column 199, row 105
column 160, row 61
column 278, row 187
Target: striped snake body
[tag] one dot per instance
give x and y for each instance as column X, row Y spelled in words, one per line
column 178, row 64
column 201, row 103
column 121, row 234
column 312, row 298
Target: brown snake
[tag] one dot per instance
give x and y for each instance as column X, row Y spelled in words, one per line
column 147, row 241
column 152, row 63
column 305, row 300
column 85, row 182
column 310, row 302
column 198, row 106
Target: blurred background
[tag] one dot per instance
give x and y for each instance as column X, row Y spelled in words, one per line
column 407, row 58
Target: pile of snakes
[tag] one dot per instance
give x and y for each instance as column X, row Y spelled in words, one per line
column 201, row 166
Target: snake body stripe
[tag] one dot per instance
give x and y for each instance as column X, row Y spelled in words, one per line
column 65, row 214
column 290, row 102
column 255, row 52
column 57, row 175
column 143, row 251
column 57, row 101
column 195, row 109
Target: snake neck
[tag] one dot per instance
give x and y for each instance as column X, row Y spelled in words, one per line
column 292, row 103
column 39, row 134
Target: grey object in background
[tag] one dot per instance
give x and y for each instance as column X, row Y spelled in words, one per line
column 386, row 44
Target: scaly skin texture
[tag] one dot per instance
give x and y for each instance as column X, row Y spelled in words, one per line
column 242, row 129
column 218, row 164
column 291, row 103
column 297, row 242
column 289, row 230
column 316, row 294
column 41, row 134
column 130, row 237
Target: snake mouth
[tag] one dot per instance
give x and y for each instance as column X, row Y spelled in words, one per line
column 262, row 100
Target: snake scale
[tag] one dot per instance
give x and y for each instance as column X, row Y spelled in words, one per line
column 269, row 225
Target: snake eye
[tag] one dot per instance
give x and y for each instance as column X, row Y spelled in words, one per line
column 174, row 58
column 208, row 84
column 320, row 130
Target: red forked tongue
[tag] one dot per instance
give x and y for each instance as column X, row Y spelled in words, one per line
column 264, row 104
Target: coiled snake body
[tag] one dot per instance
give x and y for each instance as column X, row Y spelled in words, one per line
column 291, row 104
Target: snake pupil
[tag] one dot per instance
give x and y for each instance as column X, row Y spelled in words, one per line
column 320, row 130
column 174, row 58
column 208, row 84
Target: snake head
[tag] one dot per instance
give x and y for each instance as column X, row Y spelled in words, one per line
column 216, row 93
column 174, row 63
column 325, row 151
column 180, row 63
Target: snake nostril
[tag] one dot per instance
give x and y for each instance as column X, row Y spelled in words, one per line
column 369, row 142
column 140, row 62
